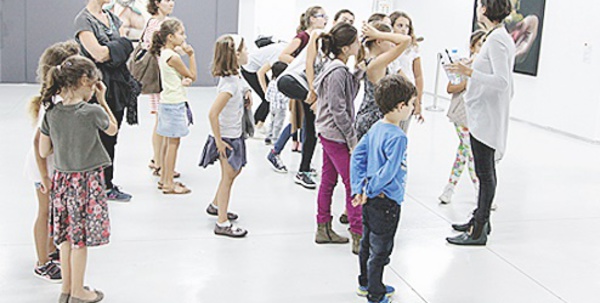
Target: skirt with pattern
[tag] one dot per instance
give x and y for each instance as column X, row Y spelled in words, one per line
column 79, row 209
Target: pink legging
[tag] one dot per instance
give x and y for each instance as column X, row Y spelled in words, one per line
column 336, row 161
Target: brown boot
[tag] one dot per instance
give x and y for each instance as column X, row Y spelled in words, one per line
column 356, row 243
column 326, row 235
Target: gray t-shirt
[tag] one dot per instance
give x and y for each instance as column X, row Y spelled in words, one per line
column 85, row 21
column 230, row 119
column 73, row 130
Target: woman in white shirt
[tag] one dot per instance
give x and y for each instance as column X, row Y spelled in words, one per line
column 487, row 100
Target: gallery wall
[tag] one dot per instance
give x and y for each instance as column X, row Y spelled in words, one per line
column 29, row 26
column 564, row 95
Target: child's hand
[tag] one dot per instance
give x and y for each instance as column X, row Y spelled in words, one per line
column 369, row 32
column 186, row 82
column 360, row 199
column 100, row 91
column 313, row 107
column 188, row 49
column 418, row 113
column 222, row 147
column 248, row 99
column 312, row 97
column 45, row 188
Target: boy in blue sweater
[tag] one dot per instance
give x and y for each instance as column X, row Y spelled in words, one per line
column 378, row 178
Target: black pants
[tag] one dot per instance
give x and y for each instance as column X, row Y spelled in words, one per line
column 292, row 89
column 485, row 168
column 109, row 143
column 380, row 222
column 263, row 109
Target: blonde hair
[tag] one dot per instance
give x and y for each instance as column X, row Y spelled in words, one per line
column 305, row 18
column 52, row 56
column 225, row 62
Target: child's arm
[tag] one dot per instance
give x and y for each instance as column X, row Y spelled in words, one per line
column 176, row 63
column 113, row 127
column 337, row 106
column 286, row 54
column 358, row 167
column 456, row 88
column 42, row 164
column 45, row 147
column 261, row 74
column 377, row 67
column 418, row 71
column 311, row 57
column 394, row 151
column 213, row 117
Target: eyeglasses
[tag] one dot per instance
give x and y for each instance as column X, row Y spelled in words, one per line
column 324, row 16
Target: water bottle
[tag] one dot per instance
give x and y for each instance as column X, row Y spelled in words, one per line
column 455, row 58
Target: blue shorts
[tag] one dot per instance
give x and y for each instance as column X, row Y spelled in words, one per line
column 172, row 120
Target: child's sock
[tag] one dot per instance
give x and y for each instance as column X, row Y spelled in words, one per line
column 224, row 224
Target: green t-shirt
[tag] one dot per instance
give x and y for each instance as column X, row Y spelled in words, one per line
column 73, row 130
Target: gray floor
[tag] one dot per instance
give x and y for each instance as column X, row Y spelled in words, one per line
column 544, row 247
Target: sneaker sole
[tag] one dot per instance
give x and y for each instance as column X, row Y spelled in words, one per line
column 232, row 236
column 120, row 200
column 364, row 294
column 47, row 280
column 305, row 185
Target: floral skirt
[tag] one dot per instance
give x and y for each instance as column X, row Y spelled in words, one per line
column 79, row 209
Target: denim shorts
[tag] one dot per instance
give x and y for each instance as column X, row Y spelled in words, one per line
column 172, row 120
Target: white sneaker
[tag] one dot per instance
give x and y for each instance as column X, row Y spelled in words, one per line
column 446, row 196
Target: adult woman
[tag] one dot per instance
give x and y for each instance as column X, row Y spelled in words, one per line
column 487, row 100
column 98, row 32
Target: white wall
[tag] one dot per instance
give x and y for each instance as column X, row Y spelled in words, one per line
column 280, row 18
column 564, row 95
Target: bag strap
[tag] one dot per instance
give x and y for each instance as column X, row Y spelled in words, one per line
column 145, row 30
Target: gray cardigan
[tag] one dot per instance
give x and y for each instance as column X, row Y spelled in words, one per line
column 336, row 89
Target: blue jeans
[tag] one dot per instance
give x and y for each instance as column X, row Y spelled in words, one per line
column 380, row 222
column 284, row 137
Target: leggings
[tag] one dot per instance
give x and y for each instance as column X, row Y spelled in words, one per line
column 263, row 109
column 463, row 155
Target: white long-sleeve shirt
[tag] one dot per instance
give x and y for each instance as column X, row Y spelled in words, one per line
column 490, row 91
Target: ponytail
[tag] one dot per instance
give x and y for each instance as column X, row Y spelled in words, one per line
column 327, row 42
column 303, row 24
column 157, row 43
column 305, row 18
column 342, row 34
column 51, row 87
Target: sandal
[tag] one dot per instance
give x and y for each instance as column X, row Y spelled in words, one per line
column 178, row 189
column 152, row 165
column 156, row 173
column 160, row 185
column 99, row 297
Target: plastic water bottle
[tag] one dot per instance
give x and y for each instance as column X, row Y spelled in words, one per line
column 455, row 78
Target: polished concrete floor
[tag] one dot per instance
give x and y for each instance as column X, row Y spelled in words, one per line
column 545, row 246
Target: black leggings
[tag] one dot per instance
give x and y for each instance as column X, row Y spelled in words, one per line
column 292, row 89
column 109, row 143
column 263, row 109
column 485, row 168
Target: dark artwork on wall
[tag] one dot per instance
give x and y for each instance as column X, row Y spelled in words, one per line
column 525, row 25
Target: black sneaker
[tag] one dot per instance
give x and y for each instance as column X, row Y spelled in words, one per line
column 49, row 272
column 305, row 180
column 268, row 141
column 276, row 163
column 115, row 194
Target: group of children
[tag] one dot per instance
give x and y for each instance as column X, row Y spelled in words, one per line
column 366, row 148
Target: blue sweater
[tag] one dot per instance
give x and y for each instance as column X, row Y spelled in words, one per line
column 378, row 163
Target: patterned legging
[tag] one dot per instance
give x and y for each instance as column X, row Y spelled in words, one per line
column 463, row 155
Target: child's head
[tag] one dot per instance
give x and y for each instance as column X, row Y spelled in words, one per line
column 171, row 32
column 160, row 6
column 314, row 18
column 381, row 18
column 394, row 94
column 230, row 54
column 381, row 45
column 476, row 41
column 77, row 77
column 341, row 40
column 403, row 24
column 52, row 56
column 278, row 68
column 343, row 15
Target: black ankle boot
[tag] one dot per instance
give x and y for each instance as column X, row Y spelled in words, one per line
column 476, row 236
column 465, row 227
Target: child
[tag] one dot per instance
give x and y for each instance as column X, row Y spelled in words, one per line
column 278, row 103
column 458, row 116
column 79, row 209
column 409, row 63
column 226, row 142
column 173, row 110
column 378, row 174
column 336, row 89
column 40, row 170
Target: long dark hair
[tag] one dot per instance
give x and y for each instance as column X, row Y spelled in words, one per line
column 342, row 34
